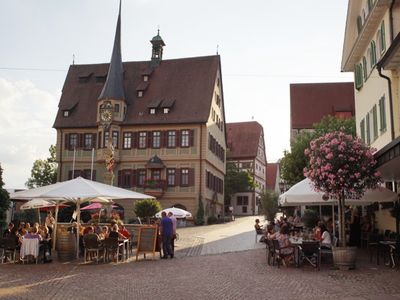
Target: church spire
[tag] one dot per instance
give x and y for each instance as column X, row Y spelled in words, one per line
column 114, row 86
column 157, row 49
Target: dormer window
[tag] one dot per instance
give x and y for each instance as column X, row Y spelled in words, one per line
column 66, row 113
column 145, row 78
column 152, row 111
column 166, row 110
column 140, row 94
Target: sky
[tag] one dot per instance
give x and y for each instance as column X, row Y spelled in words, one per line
column 265, row 46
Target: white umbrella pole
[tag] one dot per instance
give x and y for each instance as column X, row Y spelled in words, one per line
column 78, row 221
column 38, row 210
column 55, row 227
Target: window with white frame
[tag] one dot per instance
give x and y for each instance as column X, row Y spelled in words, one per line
column 127, row 144
column 171, row 139
column 156, row 139
column 142, row 140
column 185, row 138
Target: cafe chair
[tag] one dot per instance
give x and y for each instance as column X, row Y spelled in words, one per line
column 310, row 252
column 270, row 252
column 112, row 247
column 279, row 255
column 10, row 247
column 2, row 250
column 91, row 246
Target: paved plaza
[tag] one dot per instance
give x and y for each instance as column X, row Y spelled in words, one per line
column 212, row 263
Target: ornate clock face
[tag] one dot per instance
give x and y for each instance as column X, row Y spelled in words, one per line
column 106, row 116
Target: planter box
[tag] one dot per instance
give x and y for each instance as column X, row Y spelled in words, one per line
column 344, row 258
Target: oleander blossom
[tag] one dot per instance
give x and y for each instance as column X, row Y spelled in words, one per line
column 341, row 165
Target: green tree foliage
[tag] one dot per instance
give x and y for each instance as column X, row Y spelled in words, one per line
column 200, row 213
column 4, row 201
column 294, row 162
column 147, row 208
column 236, row 181
column 269, row 204
column 310, row 218
column 44, row 172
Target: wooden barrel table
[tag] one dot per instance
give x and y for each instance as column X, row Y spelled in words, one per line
column 66, row 245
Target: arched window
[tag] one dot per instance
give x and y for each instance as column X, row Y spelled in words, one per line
column 365, row 66
column 373, row 54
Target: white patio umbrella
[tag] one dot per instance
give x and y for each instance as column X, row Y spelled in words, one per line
column 37, row 204
column 78, row 190
column 302, row 193
column 176, row 212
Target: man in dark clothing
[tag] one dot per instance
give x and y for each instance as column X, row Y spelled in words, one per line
column 166, row 228
column 9, row 230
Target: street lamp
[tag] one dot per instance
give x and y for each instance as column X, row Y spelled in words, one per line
column 282, row 185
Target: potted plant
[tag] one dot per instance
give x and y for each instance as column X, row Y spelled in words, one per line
column 342, row 167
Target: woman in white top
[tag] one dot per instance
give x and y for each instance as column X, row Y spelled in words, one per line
column 325, row 237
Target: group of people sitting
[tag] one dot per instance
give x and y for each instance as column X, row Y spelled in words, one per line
column 26, row 231
column 282, row 230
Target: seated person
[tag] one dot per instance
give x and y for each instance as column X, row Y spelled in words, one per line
column 88, row 230
column 122, row 230
column 33, row 234
column 258, row 227
column 104, row 233
column 115, row 234
column 326, row 241
column 9, row 231
column 317, row 231
column 270, row 232
column 284, row 243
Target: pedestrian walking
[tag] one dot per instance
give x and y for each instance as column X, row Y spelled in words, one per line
column 166, row 229
column 173, row 219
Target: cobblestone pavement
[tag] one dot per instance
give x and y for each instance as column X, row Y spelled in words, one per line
column 234, row 275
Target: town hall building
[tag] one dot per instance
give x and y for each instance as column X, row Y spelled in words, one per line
column 157, row 127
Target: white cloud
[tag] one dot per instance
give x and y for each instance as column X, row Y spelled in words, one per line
column 26, row 119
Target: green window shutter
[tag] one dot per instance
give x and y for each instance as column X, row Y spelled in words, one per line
column 370, row 5
column 359, row 24
column 358, row 74
column 373, row 54
column 368, row 130
column 364, row 66
column 362, row 130
column 375, row 122
column 382, row 41
column 382, row 114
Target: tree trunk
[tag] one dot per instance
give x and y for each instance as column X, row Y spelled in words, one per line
column 342, row 226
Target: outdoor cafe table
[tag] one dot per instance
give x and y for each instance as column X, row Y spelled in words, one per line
column 296, row 243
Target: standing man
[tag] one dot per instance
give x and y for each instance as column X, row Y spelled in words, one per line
column 166, row 228
column 173, row 219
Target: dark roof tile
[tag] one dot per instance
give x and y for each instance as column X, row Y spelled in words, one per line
column 243, row 139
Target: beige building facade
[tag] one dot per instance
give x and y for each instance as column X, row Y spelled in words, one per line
column 371, row 51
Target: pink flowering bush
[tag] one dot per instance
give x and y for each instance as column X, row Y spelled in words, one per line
column 342, row 167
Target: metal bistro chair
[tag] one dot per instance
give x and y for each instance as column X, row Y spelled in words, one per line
column 91, row 245
column 270, row 252
column 111, row 246
column 278, row 254
column 311, row 253
column 10, row 247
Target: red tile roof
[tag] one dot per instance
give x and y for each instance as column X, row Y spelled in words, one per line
column 189, row 82
column 243, row 139
column 310, row 102
column 272, row 170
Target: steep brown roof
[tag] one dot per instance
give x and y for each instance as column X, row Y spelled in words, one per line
column 243, row 139
column 310, row 102
column 188, row 82
column 272, row 169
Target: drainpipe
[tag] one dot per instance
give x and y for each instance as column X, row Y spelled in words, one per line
column 61, row 153
column 390, row 100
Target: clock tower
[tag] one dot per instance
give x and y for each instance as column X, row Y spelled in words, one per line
column 111, row 106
